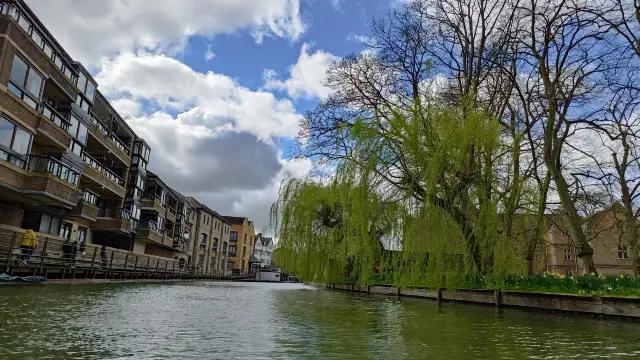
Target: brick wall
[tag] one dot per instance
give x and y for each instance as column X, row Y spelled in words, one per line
column 10, row 215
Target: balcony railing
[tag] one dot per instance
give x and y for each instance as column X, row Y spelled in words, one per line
column 102, row 169
column 51, row 114
column 109, row 135
column 115, row 213
column 38, row 163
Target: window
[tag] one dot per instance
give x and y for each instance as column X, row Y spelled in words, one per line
column 214, row 243
column 91, row 90
column 82, row 81
column 16, row 139
column 50, row 224
column 623, row 252
column 232, row 250
column 75, row 148
column 25, row 82
column 233, row 236
column 81, row 237
column 245, row 238
column 569, row 273
column 567, row 254
column 203, row 240
column 65, row 230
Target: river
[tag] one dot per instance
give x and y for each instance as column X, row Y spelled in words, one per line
column 225, row 320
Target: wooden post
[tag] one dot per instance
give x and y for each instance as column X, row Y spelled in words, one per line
column 166, row 266
column 157, row 266
column 43, row 254
column 126, row 260
column 10, row 254
column 148, row 261
column 135, row 267
column 173, row 270
column 111, row 262
column 93, row 260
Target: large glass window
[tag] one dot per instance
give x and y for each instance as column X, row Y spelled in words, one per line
column 24, row 77
column 91, row 90
column 73, row 127
column 82, row 133
column 14, row 137
column 82, row 82
column 75, row 148
column 50, row 224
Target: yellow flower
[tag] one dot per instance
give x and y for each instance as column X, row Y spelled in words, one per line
column 609, row 288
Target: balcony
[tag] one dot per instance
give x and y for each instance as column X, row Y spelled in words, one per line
column 171, row 214
column 53, row 129
column 149, row 232
column 152, row 203
column 109, row 142
column 106, row 180
column 113, row 220
column 53, row 180
column 85, row 210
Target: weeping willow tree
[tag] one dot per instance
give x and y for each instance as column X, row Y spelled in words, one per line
column 419, row 196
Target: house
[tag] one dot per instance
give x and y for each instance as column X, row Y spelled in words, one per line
column 241, row 242
column 263, row 250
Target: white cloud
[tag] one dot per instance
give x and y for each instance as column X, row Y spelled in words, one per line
column 210, row 137
column 108, row 27
column 209, row 99
column 337, row 4
column 306, row 76
column 209, row 54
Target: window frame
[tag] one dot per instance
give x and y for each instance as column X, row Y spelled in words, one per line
column 567, row 254
column 9, row 150
column 22, row 90
column 623, row 252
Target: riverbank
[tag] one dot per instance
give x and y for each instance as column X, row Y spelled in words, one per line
column 81, row 281
column 613, row 307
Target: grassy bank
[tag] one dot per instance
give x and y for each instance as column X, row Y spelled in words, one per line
column 619, row 285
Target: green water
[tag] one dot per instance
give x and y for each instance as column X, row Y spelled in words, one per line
column 217, row 320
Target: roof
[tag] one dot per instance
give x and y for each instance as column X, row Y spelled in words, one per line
column 177, row 194
column 265, row 241
column 200, row 206
column 235, row 220
column 254, row 260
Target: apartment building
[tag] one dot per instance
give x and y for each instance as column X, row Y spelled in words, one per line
column 241, row 243
column 71, row 168
column 64, row 151
column 211, row 232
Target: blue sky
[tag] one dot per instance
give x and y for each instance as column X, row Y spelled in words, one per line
column 217, row 87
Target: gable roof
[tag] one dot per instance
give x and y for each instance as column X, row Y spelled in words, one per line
column 235, row 220
column 199, row 206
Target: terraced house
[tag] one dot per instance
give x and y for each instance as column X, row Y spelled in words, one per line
column 72, row 169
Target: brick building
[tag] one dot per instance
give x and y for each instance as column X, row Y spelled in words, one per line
column 72, row 169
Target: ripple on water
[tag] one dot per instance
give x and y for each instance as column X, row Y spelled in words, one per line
column 215, row 320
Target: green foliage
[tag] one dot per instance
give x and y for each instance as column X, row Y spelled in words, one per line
column 554, row 283
column 424, row 182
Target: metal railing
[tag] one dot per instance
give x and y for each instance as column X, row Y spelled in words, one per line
column 50, row 113
column 102, row 169
column 68, row 260
column 40, row 163
column 110, row 135
column 115, row 213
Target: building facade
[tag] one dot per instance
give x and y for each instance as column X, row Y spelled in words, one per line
column 241, row 243
column 263, row 250
column 603, row 229
column 72, row 169
column 211, row 232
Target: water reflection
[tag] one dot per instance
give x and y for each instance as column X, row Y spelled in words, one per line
column 217, row 320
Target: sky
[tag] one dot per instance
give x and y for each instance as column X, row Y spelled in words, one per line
column 216, row 87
